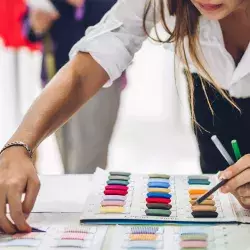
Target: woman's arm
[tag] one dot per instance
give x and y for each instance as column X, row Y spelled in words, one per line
column 73, row 85
column 112, row 43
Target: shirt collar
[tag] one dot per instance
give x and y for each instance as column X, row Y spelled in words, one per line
column 211, row 35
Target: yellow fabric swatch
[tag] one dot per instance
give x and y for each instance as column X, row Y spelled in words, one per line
column 143, row 237
column 204, row 208
column 196, row 196
column 205, row 202
column 159, row 190
column 112, row 209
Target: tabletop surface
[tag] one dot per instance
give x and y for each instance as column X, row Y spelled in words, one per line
column 61, row 200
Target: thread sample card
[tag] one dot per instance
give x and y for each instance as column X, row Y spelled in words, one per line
column 155, row 197
column 207, row 209
column 180, row 237
column 21, row 240
column 65, row 237
column 76, row 237
column 116, row 193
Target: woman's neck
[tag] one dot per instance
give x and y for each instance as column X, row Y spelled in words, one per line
column 241, row 14
column 236, row 32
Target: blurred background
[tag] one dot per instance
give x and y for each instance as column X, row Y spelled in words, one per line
column 140, row 124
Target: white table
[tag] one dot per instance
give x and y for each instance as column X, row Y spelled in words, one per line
column 68, row 192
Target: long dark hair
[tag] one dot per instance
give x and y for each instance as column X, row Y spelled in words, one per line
column 186, row 26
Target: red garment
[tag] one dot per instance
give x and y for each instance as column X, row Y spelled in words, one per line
column 12, row 13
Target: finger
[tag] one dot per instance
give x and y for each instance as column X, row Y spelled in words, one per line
column 33, row 187
column 245, row 202
column 244, row 191
column 236, row 182
column 16, row 213
column 5, row 224
column 241, row 165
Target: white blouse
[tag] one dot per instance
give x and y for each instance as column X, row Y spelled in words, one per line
column 114, row 41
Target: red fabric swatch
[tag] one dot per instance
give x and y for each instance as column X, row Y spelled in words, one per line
column 158, row 200
column 116, row 187
column 115, row 192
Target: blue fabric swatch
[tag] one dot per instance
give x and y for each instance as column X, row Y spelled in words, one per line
column 158, row 184
column 158, row 180
column 159, row 195
column 199, row 182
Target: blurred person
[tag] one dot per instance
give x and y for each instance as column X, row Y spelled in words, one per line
column 85, row 139
column 11, row 25
column 14, row 48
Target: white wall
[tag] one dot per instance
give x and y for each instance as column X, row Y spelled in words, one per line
column 152, row 133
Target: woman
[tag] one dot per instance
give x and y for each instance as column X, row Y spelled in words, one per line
column 222, row 30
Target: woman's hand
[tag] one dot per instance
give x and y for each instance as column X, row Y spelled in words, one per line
column 70, row 88
column 239, row 185
column 41, row 20
column 17, row 176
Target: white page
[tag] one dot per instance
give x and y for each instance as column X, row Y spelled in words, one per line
column 45, row 5
column 40, row 220
column 62, row 193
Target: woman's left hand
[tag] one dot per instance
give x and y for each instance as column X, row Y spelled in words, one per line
column 239, row 185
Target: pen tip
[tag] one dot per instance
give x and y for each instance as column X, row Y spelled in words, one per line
column 195, row 203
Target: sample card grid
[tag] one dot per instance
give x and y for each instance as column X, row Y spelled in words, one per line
column 56, row 238
column 136, row 201
column 180, row 237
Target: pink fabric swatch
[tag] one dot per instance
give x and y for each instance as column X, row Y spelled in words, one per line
column 113, row 203
column 193, row 244
column 32, row 235
column 73, row 236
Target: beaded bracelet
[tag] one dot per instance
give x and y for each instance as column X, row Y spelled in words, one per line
column 18, row 144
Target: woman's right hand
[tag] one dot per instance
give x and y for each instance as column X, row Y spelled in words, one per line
column 17, row 176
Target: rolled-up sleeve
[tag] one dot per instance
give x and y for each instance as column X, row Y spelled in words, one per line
column 119, row 35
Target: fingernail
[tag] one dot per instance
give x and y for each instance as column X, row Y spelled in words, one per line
column 221, row 177
column 227, row 174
